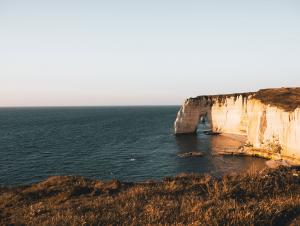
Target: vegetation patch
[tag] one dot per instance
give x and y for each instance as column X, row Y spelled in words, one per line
column 287, row 99
column 269, row 197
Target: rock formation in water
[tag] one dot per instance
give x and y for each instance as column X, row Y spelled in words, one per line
column 270, row 118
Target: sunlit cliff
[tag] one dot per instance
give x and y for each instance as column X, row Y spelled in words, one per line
column 269, row 118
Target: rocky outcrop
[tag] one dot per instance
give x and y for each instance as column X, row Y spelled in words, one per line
column 269, row 118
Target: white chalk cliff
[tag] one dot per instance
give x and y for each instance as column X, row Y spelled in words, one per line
column 269, row 118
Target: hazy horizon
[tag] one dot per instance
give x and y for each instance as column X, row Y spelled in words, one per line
column 139, row 53
column 120, row 105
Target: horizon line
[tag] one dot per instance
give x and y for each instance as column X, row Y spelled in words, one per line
column 73, row 106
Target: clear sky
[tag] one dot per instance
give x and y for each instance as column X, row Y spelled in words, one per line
column 157, row 52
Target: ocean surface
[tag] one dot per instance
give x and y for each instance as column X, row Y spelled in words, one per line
column 126, row 143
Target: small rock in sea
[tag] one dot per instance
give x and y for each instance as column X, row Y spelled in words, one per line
column 190, row 154
column 209, row 132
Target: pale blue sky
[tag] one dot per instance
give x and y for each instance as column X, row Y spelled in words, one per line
column 144, row 52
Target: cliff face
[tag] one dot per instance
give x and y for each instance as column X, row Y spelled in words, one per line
column 270, row 118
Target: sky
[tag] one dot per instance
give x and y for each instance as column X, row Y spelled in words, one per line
column 158, row 52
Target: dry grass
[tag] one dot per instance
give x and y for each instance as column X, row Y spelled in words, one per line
column 285, row 98
column 271, row 197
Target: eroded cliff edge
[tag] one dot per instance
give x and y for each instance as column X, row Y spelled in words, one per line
column 269, row 118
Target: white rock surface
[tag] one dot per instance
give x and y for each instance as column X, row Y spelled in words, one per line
column 265, row 126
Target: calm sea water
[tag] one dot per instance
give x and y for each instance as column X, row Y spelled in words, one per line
column 127, row 143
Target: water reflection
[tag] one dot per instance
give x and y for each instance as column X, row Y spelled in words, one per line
column 225, row 142
column 187, row 143
column 212, row 161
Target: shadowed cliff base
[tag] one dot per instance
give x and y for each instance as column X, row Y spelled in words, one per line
column 246, row 150
column 269, row 197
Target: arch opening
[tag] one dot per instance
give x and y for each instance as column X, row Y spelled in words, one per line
column 204, row 124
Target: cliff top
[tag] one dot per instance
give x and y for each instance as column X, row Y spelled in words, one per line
column 287, row 99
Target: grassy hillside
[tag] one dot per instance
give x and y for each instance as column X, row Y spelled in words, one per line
column 268, row 197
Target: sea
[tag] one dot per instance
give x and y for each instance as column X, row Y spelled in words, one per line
column 125, row 143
